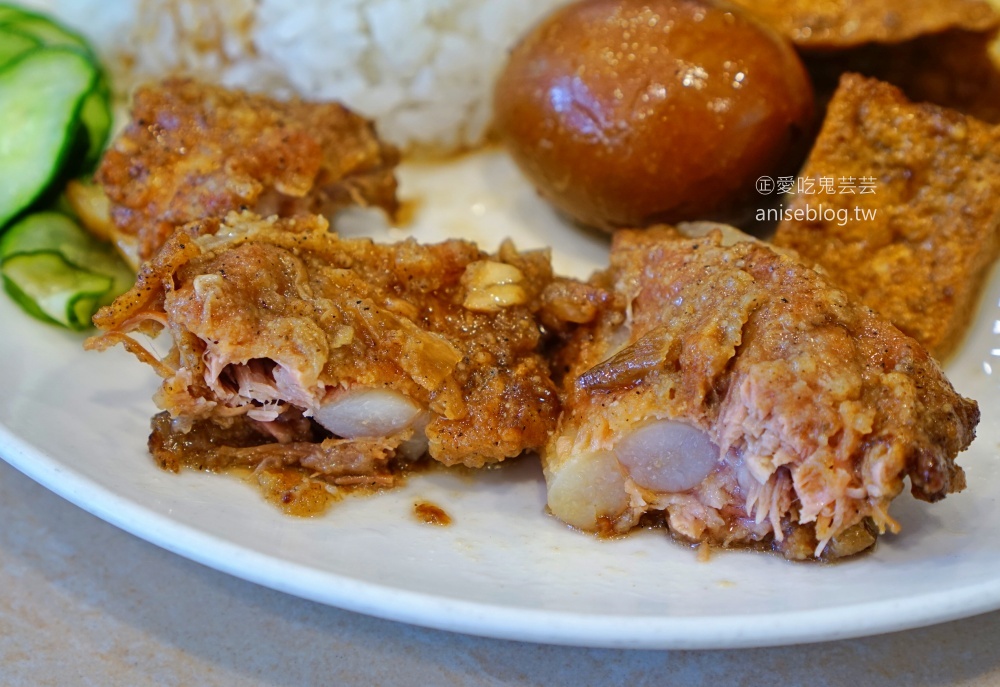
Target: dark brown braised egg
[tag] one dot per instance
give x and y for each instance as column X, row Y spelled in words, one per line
column 625, row 113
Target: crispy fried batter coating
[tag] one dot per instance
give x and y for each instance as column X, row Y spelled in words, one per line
column 936, row 51
column 331, row 352
column 932, row 229
column 957, row 69
column 194, row 150
column 815, row 407
column 837, row 24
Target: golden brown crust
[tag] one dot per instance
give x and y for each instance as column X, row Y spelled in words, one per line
column 955, row 69
column 336, row 314
column 194, row 150
column 935, row 177
column 836, row 24
column 828, row 406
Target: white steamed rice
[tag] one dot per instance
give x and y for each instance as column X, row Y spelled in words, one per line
column 423, row 69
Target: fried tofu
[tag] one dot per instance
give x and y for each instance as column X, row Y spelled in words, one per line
column 738, row 394
column 901, row 209
column 822, row 25
column 294, row 346
column 194, row 150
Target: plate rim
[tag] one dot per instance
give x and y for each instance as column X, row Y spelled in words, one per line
column 548, row 626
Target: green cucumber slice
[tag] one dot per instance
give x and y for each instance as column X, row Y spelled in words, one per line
column 50, row 288
column 48, row 32
column 14, row 43
column 54, row 232
column 96, row 114
column 7, row 11
column 97, row 118
column 41, row 94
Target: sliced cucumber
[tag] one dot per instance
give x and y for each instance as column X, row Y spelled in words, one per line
column 52, row 92
column 48, row 32
column 8, row 11
column 41, row 93
column 59, row 273
column 96, row 114
column 14, row 43
column 45, row 284
column 97, row 118
column 54, row 231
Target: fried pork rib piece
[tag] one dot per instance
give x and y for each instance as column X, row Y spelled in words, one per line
column 736, row 392
column 293, row 346
column 917, row 246
column 194, row 150
column 836, row 24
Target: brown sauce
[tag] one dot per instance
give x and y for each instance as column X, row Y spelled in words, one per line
column 299, row 493
column 431, row 514
column 406, row 213
column 294, row 492
column 289, row 489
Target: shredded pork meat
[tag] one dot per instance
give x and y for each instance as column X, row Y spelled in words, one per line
column 292, row 345
column 736, row 391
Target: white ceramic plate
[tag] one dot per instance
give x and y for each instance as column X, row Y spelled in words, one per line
column 77, row 422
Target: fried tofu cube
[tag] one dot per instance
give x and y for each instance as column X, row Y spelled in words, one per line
column 898, row 204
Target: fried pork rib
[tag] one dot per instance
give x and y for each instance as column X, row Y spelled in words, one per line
column 292, row 346
column 194, row 150
column 735, row 392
